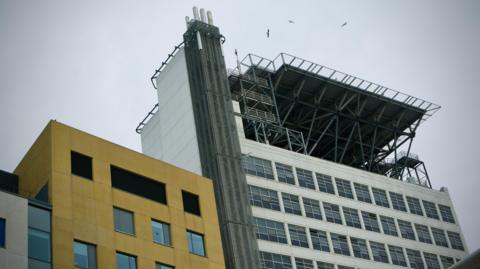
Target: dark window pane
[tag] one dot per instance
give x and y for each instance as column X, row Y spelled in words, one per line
column 362, row 192
column 414, row 206
column 344, row 188
column 42, row 195
column 298, row 236
column 38, row 218
column 446, row 213
column 81, row 165
column 406, row 229
column 39, row 245
column 351, row 217
column 340, row 244
column 430, row 209
column 191, row 203
column 195, row 243
column 2, row 232
column 138, row 185
column 163, row 266
column 161, row 233
column 380, row 197
column 359, row 247
column 123, row 221
column 431, row 260
column 270, row 230
column 36, row 264
column 319, row 240
column 388, row 226
column 378, row 252
column 258, row 167
column 125, row 261
column 274, row 261
column 455, row 240
column 439, row 237
column 262, row 197
column 397, row 256
column 446, row 261
column 415, row 259
column 305, row 178
column 291, row 204
column 398, row 202
column 285, row 173
column 332, row 213
column 312, row 208
column 324, row 265
column 423, row 233
column 303, row 263
column 370, row 222
column 84, row 255
column 325, row 183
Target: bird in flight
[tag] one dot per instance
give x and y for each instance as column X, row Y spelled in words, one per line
column 290, row 21
column 345, row 23
column 268, row 33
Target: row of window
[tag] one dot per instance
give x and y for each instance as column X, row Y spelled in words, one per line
column 276, row 261
column 124, row 223
column 81, row 165
column 266, row 198
column 340, row 244
column 85, row 257
column 263, row 168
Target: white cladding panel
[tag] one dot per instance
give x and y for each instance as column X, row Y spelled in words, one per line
column 353, row 175
column 14, row 210
column 170, row 135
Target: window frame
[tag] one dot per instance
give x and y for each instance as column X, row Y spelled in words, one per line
column 81, row 157
column 115, row 222
column 89, row 247
column 129, row 256
column 3, row 233
column 360, row 191
column 191, row 249
column 344, row 188
column 163, row 224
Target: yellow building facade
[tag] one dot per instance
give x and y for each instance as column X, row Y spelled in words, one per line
column 83, row 208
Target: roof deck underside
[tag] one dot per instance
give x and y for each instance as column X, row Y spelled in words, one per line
column 338, row 122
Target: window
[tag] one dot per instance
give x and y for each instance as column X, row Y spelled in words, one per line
column 81, row 165
column 305, row 178
column 195, row 243
column 298, row 236
column 414, row 206
column 303, row 263
column 42, row 195
column 123, row 221
column 84, row 255
column 161, row 233
column 362, row 192
column 446, row 261
column 351, row 217
column 439, row 237
column 258, row 167
column 125, row 261
column 423, row 233
column 359, row 247
column 455, row 240
column 332, row 213
column 324, row 265
column 388, row 226
column 380, row 197
column 325, row 183
column 39, row 237
column 430, row 209
column 291, row 204
column 139, row 185
column 263, row 198
column 378, row 252
column 406, row 229
column 397, row 256
column 274, row 261
column 415, row 259
column 319, row 240
column 340, row 244
column 344, row 188
column 370, row 222
column 312, row 208
column 270, row 230
column 431, row 260
column 163, row 266
column 398, row 202
column 446, row 213
column 2, row 232
column 285, row 173
column 191, row 203
column 345, row 267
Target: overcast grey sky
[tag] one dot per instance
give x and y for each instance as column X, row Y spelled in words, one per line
column 88, row 63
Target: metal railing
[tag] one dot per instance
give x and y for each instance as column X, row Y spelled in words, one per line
column 145, row 120
column 164, row 64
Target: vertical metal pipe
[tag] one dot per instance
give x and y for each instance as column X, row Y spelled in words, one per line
column 199, row 40
column 195, row 13
column 210, row 17
column 203, row 17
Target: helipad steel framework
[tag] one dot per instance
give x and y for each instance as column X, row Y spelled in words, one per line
column 305, row 107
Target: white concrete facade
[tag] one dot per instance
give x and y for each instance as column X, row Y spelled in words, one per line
column 14, row 210
column 335, row 170
column 170, row 135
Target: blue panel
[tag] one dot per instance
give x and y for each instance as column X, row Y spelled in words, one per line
column 2, row 232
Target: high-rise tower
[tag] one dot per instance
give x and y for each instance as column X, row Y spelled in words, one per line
column 328, row 177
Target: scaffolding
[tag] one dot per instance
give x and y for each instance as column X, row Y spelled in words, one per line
column 309, row 108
